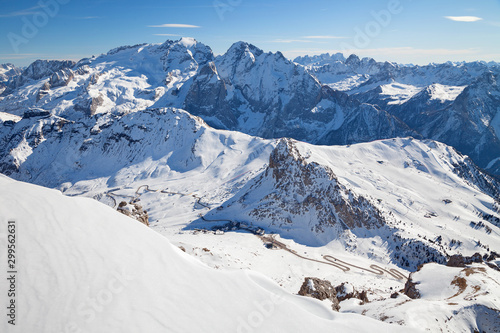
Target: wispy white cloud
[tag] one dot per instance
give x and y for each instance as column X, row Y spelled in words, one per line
column 23, row 12
column 324, row 37
column 464, row 18
column 170, row 35
column 174, row 25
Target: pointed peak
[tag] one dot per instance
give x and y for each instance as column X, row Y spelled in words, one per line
column 188, row 42
column 352, row 59
column 242, row 47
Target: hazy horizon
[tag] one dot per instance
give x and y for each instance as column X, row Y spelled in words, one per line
column 401, row 31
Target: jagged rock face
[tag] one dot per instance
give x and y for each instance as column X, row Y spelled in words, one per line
column 266, row 95
column 410, row 289
column 367, row 123
column 126, row 79
column 474, row 111
column 417, row 110
column 88, row 105
column 61, row 78
column 259, row 92
column 346, row 291
column 38, row 70
column 319, row 60
column 320, row 289
column 175, row 55
column 7, row 71
column 323, row 289
column 207, row 95
column 320, row 191
column 305, row 198
column 458, row 260
column 467, row 170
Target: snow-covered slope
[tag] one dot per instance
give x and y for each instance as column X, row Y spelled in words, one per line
column 126, row 79
column 82, row 267
column 7, row 71
column 112, row 128
column 453, row 298
column 434, row 100
column 119, row 150
column 423, row 199
column 245, row 89
column 324, row 194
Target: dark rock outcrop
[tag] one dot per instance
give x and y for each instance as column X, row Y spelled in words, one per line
column 457, row 260
column 410, row 289
column 347, row 291
column 323, row 195
column 320, row 289
column 135, row 211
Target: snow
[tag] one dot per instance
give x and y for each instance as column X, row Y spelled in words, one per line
column 72, row 277
column 399, row 93
column 343, row 83
column 181, row 169
column 129, row 79
column 455, row 299
column 411, row 179
column 4, row 116
column 445, row 93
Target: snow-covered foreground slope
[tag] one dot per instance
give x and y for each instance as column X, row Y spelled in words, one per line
column 456, row 299
column 83, row 267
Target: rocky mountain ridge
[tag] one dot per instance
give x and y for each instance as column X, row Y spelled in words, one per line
column 266, row 95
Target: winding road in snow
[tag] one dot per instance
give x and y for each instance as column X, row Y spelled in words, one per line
column 328, row 259
column 113, row 196
column 332, row 261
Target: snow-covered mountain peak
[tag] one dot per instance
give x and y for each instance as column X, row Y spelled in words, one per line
column 286, row 157
column 239, row 58
column 188, row 41
column 302, row 200
column 353, row 60
column 241, row 48
column 7, row 71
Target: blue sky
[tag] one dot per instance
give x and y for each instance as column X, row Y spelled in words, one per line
column 404, row 31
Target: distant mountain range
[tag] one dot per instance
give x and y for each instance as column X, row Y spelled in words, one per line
column 326, row 99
